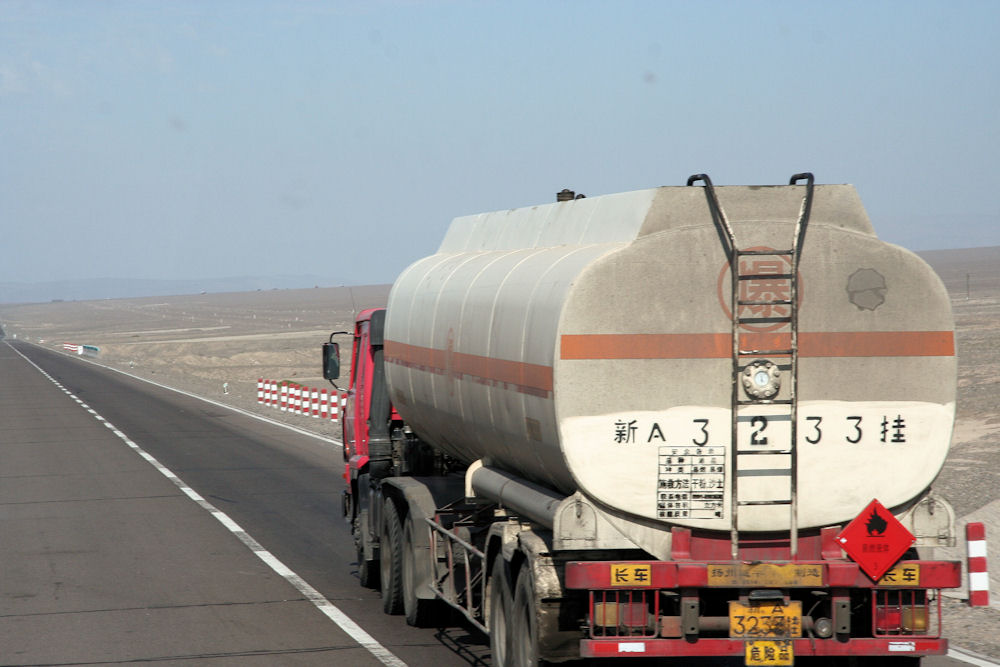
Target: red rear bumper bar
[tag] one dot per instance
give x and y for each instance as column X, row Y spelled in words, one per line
column 638, row 648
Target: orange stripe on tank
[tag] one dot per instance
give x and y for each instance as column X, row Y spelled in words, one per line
column 719, row 346
column 534, row 379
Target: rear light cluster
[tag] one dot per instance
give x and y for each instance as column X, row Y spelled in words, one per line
column 625, row 613
column 905, row 612
column 637, row 613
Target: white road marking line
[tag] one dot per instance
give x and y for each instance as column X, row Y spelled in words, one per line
column 958, row 653
column 353, row 630
column 246, row 413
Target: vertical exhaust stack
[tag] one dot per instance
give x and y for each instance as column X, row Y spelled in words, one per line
column 568, row 195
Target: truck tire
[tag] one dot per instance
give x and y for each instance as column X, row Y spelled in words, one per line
column 524, row 622
column 501, row 607
column 419, row 613
column 391, row 560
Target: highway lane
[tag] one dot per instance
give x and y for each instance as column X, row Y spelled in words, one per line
column 114, row 564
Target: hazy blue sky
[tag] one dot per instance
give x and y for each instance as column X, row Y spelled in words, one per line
column 210, row 139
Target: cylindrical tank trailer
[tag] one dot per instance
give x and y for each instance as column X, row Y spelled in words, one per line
column 577, row 344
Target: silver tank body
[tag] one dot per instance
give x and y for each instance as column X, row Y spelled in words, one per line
column 586, row 345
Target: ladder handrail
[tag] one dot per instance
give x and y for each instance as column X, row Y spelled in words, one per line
column 800, row 234
column 718, row 215
column 725, row 231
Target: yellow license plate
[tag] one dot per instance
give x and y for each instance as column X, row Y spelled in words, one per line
column 765, row 620
column 902, row 575
column 764, row 575
column 761, row 653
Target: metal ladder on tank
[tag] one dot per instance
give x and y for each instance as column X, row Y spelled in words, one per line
column 743, row 358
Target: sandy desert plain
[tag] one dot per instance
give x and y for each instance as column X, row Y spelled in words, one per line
column 197, row 343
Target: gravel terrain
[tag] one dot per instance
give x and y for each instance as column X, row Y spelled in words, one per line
column 198, row 343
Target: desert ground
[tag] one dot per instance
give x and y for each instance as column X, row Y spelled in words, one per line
column 201, row 343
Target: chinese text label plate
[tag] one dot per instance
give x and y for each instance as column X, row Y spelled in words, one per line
column 769, row 653
column 906, row 574
column 764, row 575
column 631, row 575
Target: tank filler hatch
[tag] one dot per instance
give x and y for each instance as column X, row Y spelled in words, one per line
column 757, row 377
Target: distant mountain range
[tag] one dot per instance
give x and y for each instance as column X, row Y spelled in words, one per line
column 120, row 288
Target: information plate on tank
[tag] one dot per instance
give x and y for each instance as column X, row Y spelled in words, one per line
column 765, row 620
column 764, row 575
column 769, row 653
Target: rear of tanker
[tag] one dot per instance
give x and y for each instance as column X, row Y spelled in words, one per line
column 678, row 400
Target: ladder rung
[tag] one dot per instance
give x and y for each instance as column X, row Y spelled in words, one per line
column 762, row 452
column 779, row 302
column 765, row 320
column 763, row 502
column 772, row 276
column 765, row 252
column 776, row 401
column 760, row 352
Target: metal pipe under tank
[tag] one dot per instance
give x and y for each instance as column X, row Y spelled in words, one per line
column 530, row 500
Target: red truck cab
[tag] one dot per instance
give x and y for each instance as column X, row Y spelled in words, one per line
column 367, row 410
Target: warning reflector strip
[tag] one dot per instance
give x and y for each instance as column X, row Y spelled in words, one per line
column 979, row 578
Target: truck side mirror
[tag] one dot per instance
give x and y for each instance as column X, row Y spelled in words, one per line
column 331, row 361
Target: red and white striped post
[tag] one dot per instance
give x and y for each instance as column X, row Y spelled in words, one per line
column 315, row 402
column 284, row 397
column 979, row 577
column 324, row 404
column 260, row 390
column 274, row 393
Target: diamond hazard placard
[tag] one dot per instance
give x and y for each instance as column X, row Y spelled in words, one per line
column 875, row 539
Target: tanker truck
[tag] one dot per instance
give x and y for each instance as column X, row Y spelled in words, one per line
column 681, row 421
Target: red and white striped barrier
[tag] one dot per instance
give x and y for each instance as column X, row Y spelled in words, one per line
column 82, row 350
column 979, row 577
column 299, row 400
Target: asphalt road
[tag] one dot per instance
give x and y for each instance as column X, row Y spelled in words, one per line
column 106, row 560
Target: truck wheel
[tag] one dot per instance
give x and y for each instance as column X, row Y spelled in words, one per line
column 390, row 561
column 524, row 623
column 500, row 612
column 419, row 613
